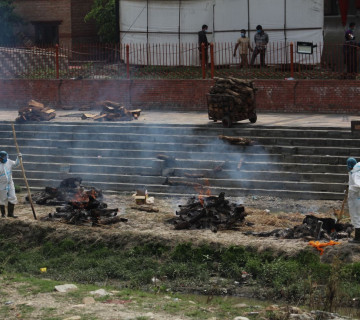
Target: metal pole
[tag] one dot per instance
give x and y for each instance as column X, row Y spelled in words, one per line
column 57, row 61
column 147, row 32
column 292, row 60
column 203, row 59
column 248, row 7
column 179, row 33
column 127, row 62
column 23, row 172
column 285, row 27
column 212, row 59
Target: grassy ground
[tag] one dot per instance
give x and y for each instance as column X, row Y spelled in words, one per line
column 208, row 270
column 30, row 298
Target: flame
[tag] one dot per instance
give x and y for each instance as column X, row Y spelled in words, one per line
column 81, row 198
column 202, row 191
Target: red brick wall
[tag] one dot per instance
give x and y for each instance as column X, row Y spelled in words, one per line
column 47, row 10
column 319, row 96
column 82, row 31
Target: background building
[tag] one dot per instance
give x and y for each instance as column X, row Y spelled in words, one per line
column 49, row 22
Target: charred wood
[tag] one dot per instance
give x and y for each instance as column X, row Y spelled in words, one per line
column 237, row 140
column 214, row 213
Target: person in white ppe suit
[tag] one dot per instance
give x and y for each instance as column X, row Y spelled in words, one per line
column 354, row 196
column 7, row 189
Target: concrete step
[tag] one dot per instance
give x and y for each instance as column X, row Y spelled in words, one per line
column 138, row 128
column 182, row 166
column 239, row 182
column 120, row 157
column 161, row 190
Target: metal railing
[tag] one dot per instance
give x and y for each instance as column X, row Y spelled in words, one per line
column 176, row 61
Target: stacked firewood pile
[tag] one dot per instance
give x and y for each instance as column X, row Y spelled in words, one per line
column 242, row 91
column 312, row 228
column 113, row 111
column 214, row 213
column 79, row 204
column 35, row 111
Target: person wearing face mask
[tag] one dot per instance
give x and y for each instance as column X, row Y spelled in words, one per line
column 7, row 189
column 354, row 196
column 244, row 44
column 261, row 40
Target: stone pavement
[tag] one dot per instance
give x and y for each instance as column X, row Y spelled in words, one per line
column 201, row 118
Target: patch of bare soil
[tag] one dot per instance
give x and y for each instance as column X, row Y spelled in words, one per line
column 265, row 213
column 58, row 305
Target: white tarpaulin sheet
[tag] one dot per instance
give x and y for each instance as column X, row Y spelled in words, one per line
column 173, row 26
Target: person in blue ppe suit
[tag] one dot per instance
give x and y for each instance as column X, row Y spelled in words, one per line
column 354, row 196
column 7, row 189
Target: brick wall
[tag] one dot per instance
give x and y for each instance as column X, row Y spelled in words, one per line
column 47, row 10
column 81, row 31
column 319, row 96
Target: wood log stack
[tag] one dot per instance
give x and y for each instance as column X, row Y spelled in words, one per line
column 214, row 213
column 113, row 111
column 79, row 204
column 35, row 111
column 242, row 91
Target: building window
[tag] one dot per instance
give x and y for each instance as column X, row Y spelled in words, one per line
column 46, row 33
column 331, row 8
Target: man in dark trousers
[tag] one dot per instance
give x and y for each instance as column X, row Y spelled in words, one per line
column 350, row 51
column 203, row 39
column 261, row 39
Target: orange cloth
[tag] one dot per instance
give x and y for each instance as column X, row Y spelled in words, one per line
column 319, row 246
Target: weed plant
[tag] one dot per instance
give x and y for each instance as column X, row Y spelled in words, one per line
column 299, row 279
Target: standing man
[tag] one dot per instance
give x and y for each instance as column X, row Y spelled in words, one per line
column 350, row 50
column 7, row 189
column 244, row 44
column 261, row 39
column 354, row 196
column 203, row 39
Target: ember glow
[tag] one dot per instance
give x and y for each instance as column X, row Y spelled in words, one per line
column 203, row 190
column 82, row 198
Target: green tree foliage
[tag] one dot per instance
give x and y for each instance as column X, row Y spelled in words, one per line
column 104, row 15
column 8, row 21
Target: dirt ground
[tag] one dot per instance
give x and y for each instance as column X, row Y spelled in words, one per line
column 266, row 214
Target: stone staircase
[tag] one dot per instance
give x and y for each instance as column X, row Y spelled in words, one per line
column 299, row 163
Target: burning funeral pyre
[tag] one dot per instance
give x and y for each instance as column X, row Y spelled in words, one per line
column 113, row 111
column 79, row 204
column 211, row 212
column 35, row 111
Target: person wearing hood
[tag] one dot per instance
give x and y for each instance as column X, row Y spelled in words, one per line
column 7, row 188
column 354, row 196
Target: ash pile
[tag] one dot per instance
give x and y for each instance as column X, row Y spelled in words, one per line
column 312, row 228
column 113, row 111
column 35, row 111
column 211, row 212
column 80, row 205
column 243, row 91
